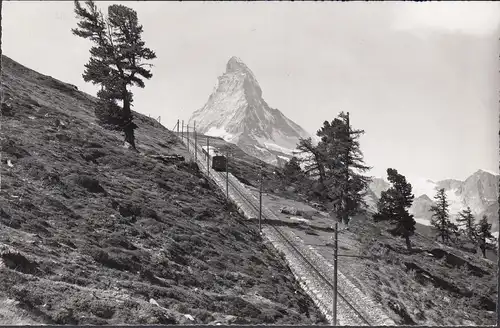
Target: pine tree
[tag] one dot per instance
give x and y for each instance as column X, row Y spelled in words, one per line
column 467, row 222
column 441, row 217
column 484, row 234
column 345, row 166
column 292, row 171
column 337, row 162
column 314, row 162
column 393, row 206
column 116, row 59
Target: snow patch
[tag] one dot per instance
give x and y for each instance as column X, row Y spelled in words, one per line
column 422, row 186
column 275, row 147
column 423, row 221
column 490, row 172
column 219, row 132
column 456, row 204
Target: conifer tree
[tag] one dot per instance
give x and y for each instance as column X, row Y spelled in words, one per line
column 345, row 167
column 292, row 171
column 338, row 163
column 441, row 217
column 467, row 222
column 393, row 206
column 116, row 60
column 484, row 234
column 314, row 163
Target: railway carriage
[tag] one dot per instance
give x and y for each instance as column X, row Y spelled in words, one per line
column 218, row 161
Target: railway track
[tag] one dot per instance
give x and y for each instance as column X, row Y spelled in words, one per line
column 347, row 313
column 354, row 316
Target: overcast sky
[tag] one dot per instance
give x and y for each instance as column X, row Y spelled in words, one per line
column 420, row 78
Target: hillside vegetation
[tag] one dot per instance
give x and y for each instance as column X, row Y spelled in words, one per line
column 435, row 284
column 93, row 233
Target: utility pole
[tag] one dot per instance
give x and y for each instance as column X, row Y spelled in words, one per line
column 208, row 156
column 195, row 144
column 346, row 194
column 227, row 175
column 182, row 130
column 344, row 218
column 187, row 134
column 177, row 127
column 335, row 266
column 260, row 201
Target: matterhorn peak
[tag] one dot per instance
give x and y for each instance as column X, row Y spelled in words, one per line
column 237, row 112
column 236, row 64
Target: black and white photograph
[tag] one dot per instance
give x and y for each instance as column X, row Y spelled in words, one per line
column 249, row 163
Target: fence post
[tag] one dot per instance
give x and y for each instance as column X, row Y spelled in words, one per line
column 182, row 130
column 208, row 157
column 177, row 127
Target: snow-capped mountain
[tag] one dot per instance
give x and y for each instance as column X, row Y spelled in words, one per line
column 237, row 112
column 378, row 185
column 479, row 191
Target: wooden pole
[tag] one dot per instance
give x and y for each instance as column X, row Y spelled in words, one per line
column 260, row 201
column 195, row 144
column 335, row 271
column 187, row 134
column 227, row 175
column 208, row 156
column 346, row 194
column 177, row 127
column 182, row 130
column 345, row 219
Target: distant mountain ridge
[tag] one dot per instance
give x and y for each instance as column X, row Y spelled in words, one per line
column 479, row 191
column 237, row 112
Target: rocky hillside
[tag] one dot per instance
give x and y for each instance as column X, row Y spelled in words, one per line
column 92, row 233
column 237, row 112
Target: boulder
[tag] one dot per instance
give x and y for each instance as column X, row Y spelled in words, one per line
column 290, row 210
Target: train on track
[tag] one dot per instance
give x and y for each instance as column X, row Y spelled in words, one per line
column 217, row 159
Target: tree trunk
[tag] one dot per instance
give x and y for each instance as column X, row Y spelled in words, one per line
column 128, row 129
column 483, row 250
column 129, row 134
column 482, row 245
column 408, row 243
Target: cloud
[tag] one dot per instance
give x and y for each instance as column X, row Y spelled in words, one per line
column 478, row 18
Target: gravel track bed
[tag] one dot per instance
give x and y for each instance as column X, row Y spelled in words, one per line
column 312, row 282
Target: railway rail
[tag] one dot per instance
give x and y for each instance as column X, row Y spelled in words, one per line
column 348, row 314
column 355, row 317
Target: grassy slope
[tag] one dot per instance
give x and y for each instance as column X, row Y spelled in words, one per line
column 435, row 285
column 453, row 295
column 460, row 288
column 108, row 236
